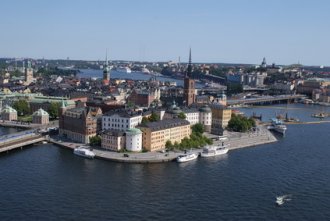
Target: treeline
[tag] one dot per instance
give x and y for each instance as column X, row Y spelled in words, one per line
column 196, row 140
column 56, row 71
column 239, row 123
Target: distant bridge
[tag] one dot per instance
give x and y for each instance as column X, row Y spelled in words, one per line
column 265, row 99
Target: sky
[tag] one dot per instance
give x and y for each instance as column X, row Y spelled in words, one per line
column 217, row 31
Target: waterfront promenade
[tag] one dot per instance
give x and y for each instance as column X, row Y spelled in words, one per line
column 235, row 141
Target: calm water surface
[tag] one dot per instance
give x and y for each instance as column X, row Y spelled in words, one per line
column 45, row 182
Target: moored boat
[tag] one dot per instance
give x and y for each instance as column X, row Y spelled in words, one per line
column 124, row 69
column 186, row 157
column 84, row 152
column 278, row 126
column 210, row 151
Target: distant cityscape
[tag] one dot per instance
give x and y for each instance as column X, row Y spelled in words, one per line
column 125, row 114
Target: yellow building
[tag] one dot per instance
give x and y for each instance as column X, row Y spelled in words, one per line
column 220, row 118
column 155, row 134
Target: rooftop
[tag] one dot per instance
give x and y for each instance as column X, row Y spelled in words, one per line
column 165, row 124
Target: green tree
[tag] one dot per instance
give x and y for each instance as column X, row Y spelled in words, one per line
column 198, row 128
column 154, row 117
column 22, row 107
column 144, row 121
column 182, row 115
column 168, row 145
column 53, row 109
column 240, row 123
column 95, row 141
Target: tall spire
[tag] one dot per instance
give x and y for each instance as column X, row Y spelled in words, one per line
column 188, row 74
column 106, row 57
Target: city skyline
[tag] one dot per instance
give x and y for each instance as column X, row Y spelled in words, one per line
column 217, row 31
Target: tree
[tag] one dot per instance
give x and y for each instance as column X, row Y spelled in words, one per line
column 154, row 117
column 145, row 120
column 182, row 115
column 53, row 109
column 95, row 141
column 198, row 128
column 22, row 107
column 240, row 123
column 169, row 145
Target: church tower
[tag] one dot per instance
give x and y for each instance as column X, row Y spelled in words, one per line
column 189, row 85
column 106, row 72
column 28, row 73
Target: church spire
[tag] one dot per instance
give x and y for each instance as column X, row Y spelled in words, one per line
column 189, row 70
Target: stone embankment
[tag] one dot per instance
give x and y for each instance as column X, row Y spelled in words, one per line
column 235, row 141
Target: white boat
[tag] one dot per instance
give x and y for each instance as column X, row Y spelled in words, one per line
column 186, row 157
column 280, row 200
column 124, row 69
column 84, row 152
column 278, row 126
column 210, row 151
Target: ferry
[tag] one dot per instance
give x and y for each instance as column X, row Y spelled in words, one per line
column 124, row 69
column 210, row 151
column 278, row 126
column 84, row 152
column 186, row 157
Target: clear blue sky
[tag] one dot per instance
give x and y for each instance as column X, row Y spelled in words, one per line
column 231, row 31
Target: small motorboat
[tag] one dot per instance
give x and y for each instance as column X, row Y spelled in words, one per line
column 280, row 200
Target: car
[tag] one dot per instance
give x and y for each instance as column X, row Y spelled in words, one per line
column 125, row 155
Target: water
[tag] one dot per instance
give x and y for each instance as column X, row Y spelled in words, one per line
column 90, row 73
column 49, row 183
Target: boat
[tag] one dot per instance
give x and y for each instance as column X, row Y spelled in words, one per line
column 186, row 157
column 124, row 69
column 44, row 142
column 278, row 126
column 210, row 151
column 84, row 152
column 319, row 115
column 280, row 200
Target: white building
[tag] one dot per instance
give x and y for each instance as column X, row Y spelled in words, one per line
column 205, row 117
column 192, row 115
column 134, row 140
column 120, row 120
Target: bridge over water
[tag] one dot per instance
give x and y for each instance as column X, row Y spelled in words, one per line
column 265, row 99
column 19, row 140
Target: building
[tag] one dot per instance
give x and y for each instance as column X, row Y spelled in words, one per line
column 78, row 124
column 8, row 113
column 121, row 120
column 40, row 117
column 106, row 72
column 205, row 117
column 309, row 85
column 113, row 140
column 134, row 140
column 28, row 73
column 220, row 118
column 155, row 134
column 45, row 102
column 189, row 85
column 144, row 98
column 192, row 115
